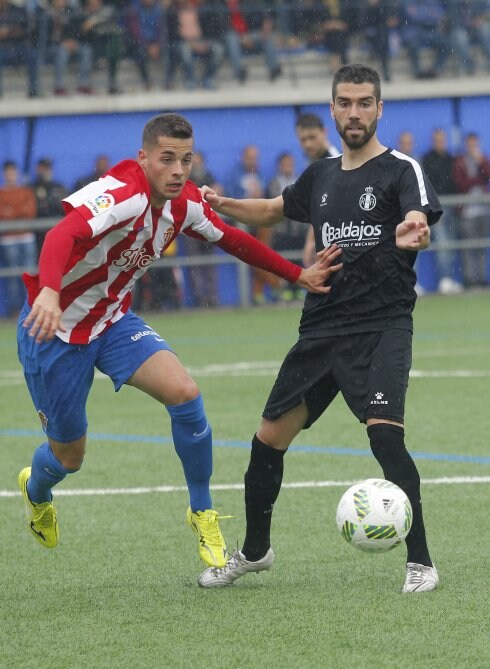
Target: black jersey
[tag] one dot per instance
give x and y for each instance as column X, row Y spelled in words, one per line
column 359, row 210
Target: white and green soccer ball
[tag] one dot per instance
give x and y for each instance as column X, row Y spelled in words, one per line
column 374, row 515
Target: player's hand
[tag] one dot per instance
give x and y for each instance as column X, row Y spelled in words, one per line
column 314, row 278
column 412, row 235
column 45, row 316
column 211, row 196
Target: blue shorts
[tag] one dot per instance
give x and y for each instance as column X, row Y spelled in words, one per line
column 59, row 375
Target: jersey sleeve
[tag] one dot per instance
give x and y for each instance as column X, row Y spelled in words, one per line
column 106, row 203
column 205, row 224
column 55, row 254
column 297, row 197
column 417, row 193
column 248, row 249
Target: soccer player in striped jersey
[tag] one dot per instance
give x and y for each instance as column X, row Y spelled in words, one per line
column 377, row 205
column 77, row 318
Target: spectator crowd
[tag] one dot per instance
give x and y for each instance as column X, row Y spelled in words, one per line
column 185, row 42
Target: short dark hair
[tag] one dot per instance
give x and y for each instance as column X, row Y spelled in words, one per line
column 356, row 74
column 9, row 163
column 308, row 120
column 284, row 154
column 166, row 125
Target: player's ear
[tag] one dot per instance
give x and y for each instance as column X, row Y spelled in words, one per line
column 142, row 156
column 331, row 110
column 380, row 109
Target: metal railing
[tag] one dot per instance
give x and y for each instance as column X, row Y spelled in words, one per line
column 182, row 261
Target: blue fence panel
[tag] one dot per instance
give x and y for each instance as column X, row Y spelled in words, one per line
column 13, row 140
column 473, row 113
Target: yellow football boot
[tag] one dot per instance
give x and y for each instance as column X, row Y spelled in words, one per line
column 212, row 547
column 40, row 517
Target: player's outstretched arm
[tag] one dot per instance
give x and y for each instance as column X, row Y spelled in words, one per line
column 314, row 277
column 260, row 212
column 45, row 316
column 413, row 234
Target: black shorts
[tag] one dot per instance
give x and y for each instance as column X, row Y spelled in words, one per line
column 369, row 369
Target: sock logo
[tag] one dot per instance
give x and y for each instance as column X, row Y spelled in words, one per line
column 201, row 434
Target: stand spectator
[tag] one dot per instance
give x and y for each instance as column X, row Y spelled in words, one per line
column 471, row 174
column 313, row 137
column 337, row 25
column 303, row 23
column 469, row 22
column 288, row 235
column 49, row 194
column 145, row 26
column 17, row 247
column 64, row 43
column 246, row 27
column 15, row 46
column 100, row 28
column 438, row 165
column 102, row 165
column 406, row 145
column 203, row 282
column 378, row 18
column 424, row 26
column 247, row 182
column 194, row 39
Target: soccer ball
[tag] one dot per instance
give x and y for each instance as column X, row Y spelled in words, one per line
column 374, row 515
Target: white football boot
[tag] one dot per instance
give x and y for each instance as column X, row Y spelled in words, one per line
column 420, row 578
column 237, row 565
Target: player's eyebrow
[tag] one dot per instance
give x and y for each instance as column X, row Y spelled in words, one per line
column 367, row 98
column 170, row 153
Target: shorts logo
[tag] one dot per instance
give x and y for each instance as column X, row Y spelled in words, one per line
column 146, row 333
column 100, row 204
column 367, row 201
column 378, row 399
column 44, row 420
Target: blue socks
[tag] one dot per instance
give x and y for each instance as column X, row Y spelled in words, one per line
column 46, row 472
column 192, row 437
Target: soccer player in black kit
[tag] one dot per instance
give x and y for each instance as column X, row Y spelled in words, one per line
column 376, row 205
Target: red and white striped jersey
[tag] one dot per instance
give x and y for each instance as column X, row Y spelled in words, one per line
column 118, row 239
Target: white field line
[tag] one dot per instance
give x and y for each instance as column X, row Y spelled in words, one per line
column 263, row 368
column 92, row 492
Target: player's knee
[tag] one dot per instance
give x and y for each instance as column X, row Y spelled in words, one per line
column 386, row 437
column 185, row 391
column 388, row 447
column 71, row 455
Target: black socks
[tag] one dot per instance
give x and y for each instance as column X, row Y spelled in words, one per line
column 388, row 447
column 262, row 485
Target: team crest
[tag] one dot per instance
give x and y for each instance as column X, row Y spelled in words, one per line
column 168, row 235
column 367, row 201
column 100, row 204
column 44, row 419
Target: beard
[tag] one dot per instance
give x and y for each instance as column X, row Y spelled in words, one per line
column 361, row 140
